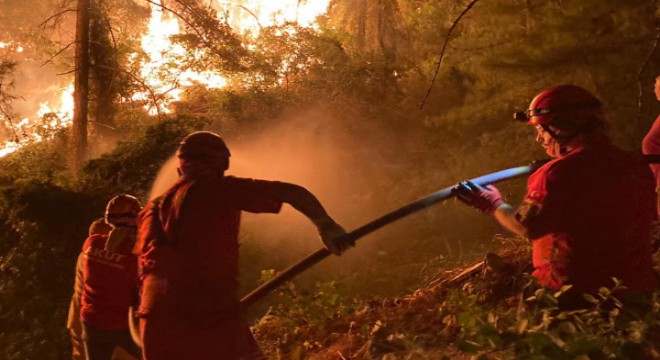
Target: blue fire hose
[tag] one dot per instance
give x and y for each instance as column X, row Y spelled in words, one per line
column 378, row 223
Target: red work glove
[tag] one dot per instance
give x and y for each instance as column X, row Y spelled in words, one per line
column 485, row 199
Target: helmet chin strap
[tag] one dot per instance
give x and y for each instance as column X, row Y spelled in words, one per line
column 559, row 143
column 557, row 149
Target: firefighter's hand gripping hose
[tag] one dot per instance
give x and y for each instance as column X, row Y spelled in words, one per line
column 334, row 238
column 368, row 228
column 483, row 198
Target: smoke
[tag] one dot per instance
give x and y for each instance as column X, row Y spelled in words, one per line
column 342, row 163
column 359, row 169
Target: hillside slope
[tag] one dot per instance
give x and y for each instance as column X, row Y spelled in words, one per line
column 475, row 311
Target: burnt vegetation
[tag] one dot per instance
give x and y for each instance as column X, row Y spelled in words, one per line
column 344, row 118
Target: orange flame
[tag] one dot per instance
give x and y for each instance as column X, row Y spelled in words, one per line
column 53, row 117
column 249, row 16
column 162, row 71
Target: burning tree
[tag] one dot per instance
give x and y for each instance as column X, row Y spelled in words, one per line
column 157, row 67
column 6, row 98
column 182, row 44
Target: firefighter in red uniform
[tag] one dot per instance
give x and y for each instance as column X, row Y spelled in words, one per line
column 188, row 248
column 110, row 282
column 651, row 142
column 589, row 211
column 98, row 227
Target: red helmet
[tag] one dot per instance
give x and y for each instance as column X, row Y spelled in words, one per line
column 99, row 226
column 568, row 102
column 205, row 148
column 122, row 209
column 202, row 145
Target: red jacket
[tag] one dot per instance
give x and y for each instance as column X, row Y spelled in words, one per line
column 589, row 216
column 651, row 146
column 110, row 283
column 195, row 267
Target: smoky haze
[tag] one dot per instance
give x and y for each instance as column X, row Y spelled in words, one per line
column 359, row 171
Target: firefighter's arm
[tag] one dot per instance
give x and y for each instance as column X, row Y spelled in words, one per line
column 73, row 320
column 505, row 214
column 304, row 201
column 489, row 200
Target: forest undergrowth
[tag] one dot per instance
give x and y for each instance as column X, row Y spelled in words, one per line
column 344, row 119
column 488, row 309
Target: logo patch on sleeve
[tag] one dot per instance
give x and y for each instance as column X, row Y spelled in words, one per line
column 528, row 210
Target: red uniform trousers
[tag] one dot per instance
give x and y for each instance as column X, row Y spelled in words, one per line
column 174, row 336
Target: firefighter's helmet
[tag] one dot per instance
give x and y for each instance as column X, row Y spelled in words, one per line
column 99, row 227
column 563, row 106
column 202, row 145
column 206, row 148
column 122, row 210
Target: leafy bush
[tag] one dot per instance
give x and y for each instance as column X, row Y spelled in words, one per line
column 44, row 161
column 43, row 228
column 133, row 165
column 604, row 328
column 298, row 310
column 45, row 218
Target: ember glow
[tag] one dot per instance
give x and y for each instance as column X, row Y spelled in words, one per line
column 61, row 114
column 162, row 71
column 161, row 68
column 11, row 46
column 49, row 118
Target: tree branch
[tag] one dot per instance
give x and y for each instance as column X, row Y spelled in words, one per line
column 56, row 15
column 184, row 19
column 58, row 53
column 8, row 118
column 245, row 8
column 104, row 125
column 444, row 48
column 146, row 87
column 114, row 44
column 209, row 45
column 66, row 72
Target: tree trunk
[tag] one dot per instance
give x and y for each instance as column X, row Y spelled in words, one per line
column 78, row 142
column 104, row 70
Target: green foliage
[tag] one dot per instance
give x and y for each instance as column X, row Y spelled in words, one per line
column 232, row 110
column 45, row 217
column 369, row 64
column 43, row 228
column 315, row 307
column 604, row 327
column 208, row 33
column 537, row 45
column 299, row 309
column 133, row 165
column 44, row 161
